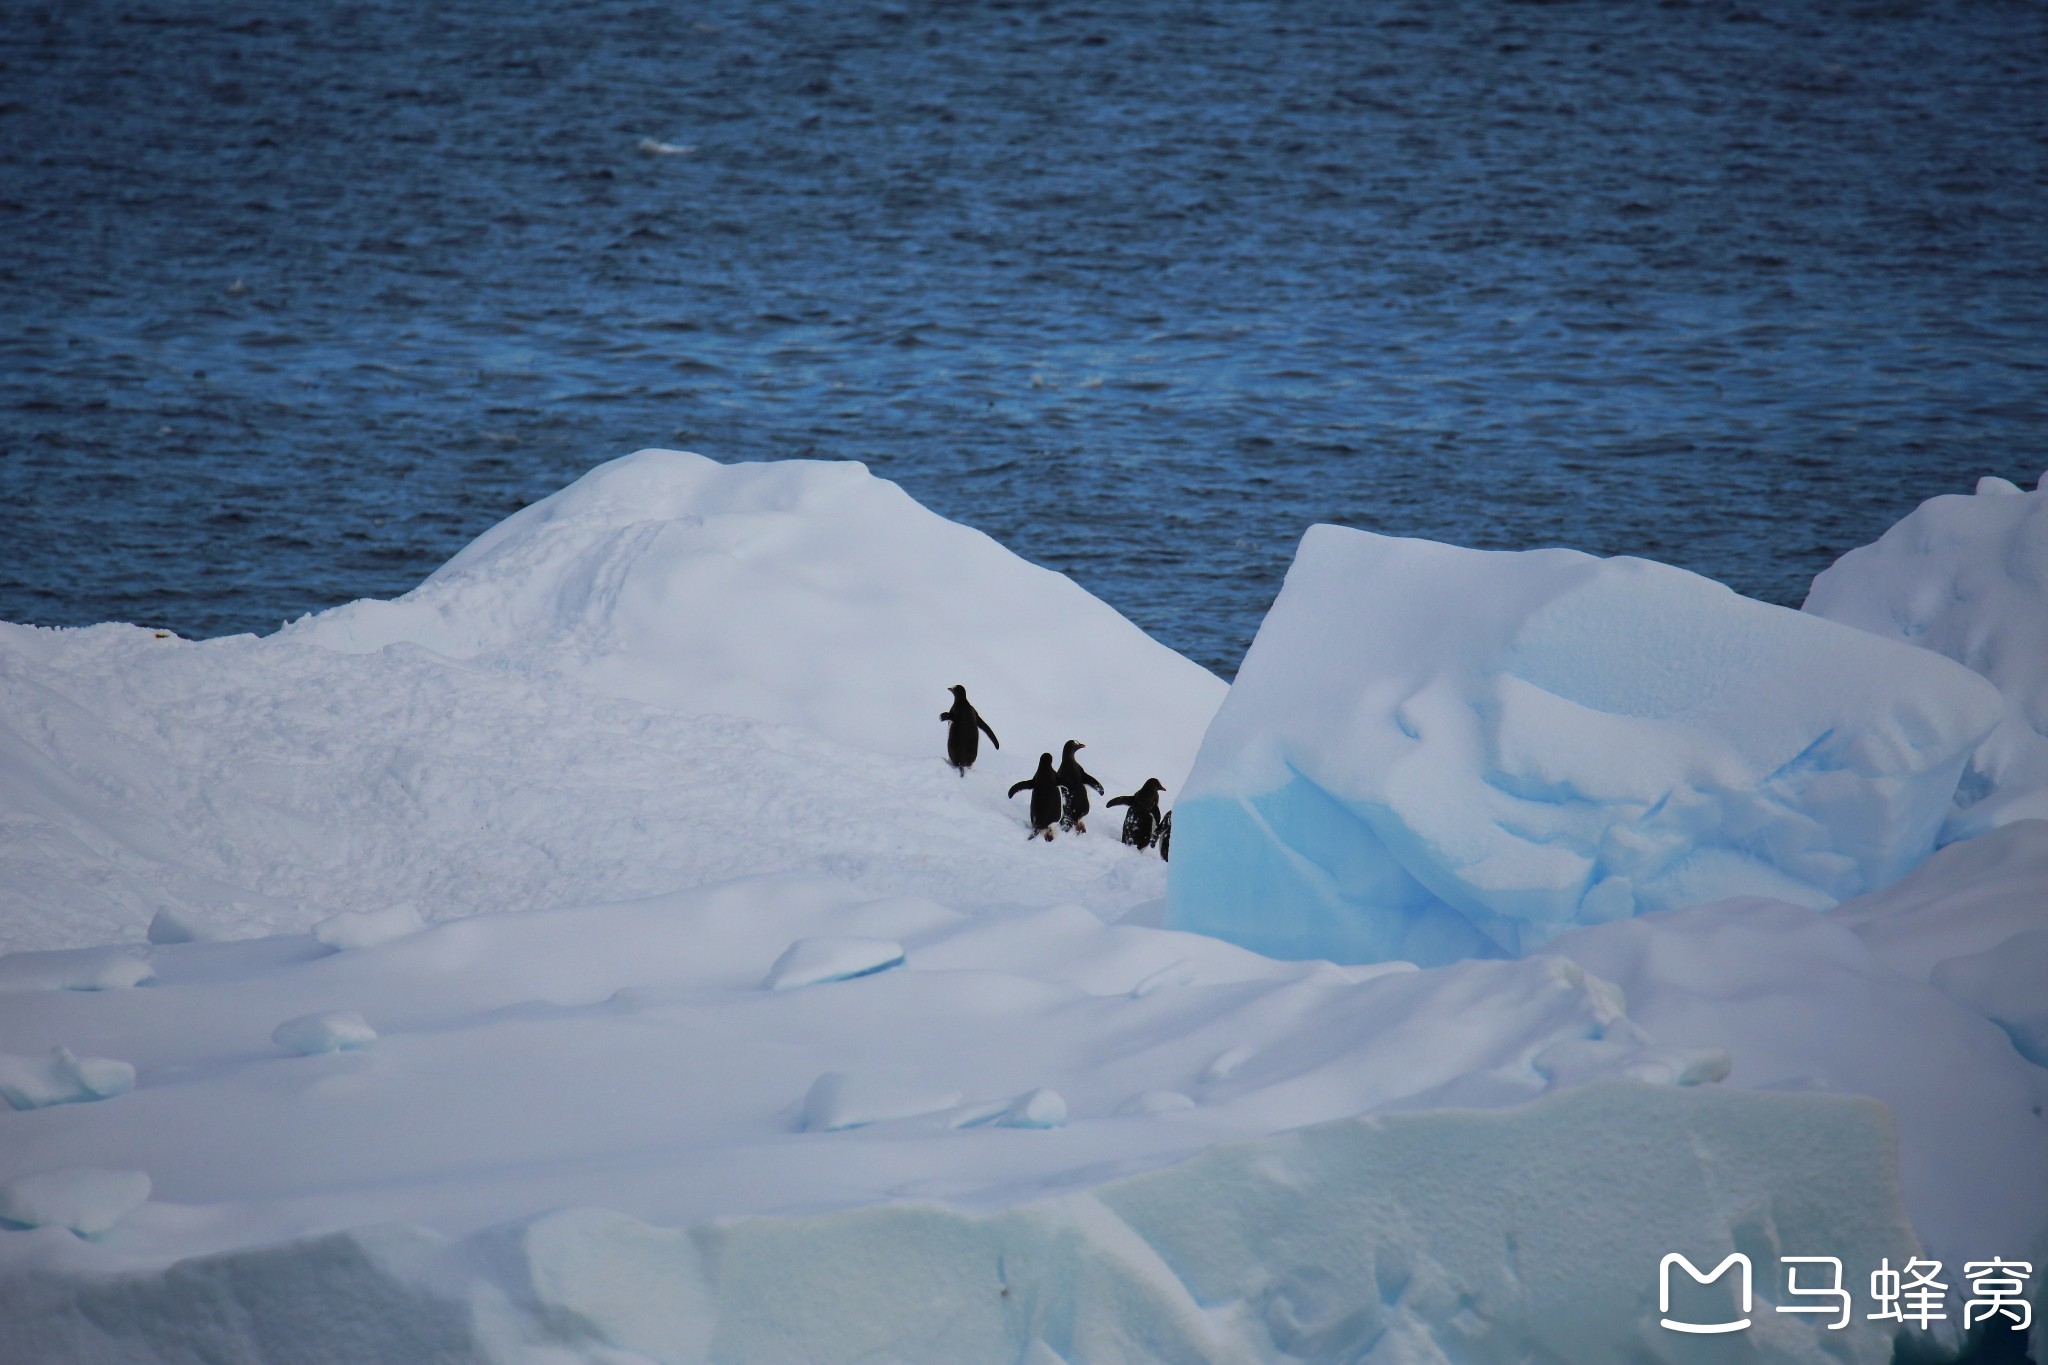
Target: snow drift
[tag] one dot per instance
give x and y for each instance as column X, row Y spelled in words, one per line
column 671, row 673
column 801, row 592
column 1967, row 577
column 1433, row 753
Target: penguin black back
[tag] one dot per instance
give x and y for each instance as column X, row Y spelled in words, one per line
column 1044, row 786
column 1074, row 785
column 964, row 728
column 1141, row 821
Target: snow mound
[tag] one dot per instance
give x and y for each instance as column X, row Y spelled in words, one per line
column 802, row 592
column 1967, row 577
column 837, row 1101
column 352, row 929
column 813, row 961
column 74, row 969
column 1379, row 1241
column 61, row 1078
column 1433, row 753
column 85, row 1199
column 673, row 673
column 309, row 1035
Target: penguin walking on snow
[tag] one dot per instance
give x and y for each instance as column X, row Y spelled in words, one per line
column 963, row 732
column 1141, row 821
column 1074, row 785
column 1045, row 798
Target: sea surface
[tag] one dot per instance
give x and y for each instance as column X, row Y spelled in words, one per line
column 297, row 299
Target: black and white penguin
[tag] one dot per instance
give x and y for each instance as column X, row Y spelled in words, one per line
column 1141, row 821
column 963, row 732
column 1074, row 785
column 1045, row 798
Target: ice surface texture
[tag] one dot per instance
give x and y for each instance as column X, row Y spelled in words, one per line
column 1967, row 577
column 1433, row 752
column 1419, row 1237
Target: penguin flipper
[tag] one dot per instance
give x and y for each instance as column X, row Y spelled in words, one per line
column 1117, row 800
column 990, row 733
column 1021, row 786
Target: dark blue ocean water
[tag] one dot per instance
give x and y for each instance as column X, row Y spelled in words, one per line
column 294, row 300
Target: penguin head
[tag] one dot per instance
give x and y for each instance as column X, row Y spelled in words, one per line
column 1153, row 784
column 1045, row 763
column 1067, row 753
column 959, row 692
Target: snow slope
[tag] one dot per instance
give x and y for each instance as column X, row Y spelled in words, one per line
column 1432, row 753
column 1967, row 577
column 671, row 673
column 589, row 1130
column 1848, row 1002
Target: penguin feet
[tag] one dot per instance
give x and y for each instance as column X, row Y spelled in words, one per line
column 1080, row 828
column 1048, row 836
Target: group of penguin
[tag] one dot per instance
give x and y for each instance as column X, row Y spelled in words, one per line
column 1059, row 795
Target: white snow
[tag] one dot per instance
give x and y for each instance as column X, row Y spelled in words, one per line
column 368, row 928
column 977, row 1104
column 810, row 961
column 324, row 1031
column 672, row 673
column 74, row 969
column 1967, row 577
column 1433, row 753
column 169, row 926
column 60, row 1077
column 791, row 1048
column 85, row 1200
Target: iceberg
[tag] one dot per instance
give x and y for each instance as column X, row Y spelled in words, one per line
column 1433, row 753
column 1967, row 577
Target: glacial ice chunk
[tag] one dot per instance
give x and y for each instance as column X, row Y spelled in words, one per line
column 61, row 1078
column 1433, row 753
column 327, row 1031
column 85, row 1199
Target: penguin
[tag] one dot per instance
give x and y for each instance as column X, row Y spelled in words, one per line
column 963, row 734
column 1166, row 837
column 1141, row 821
column 1074, row 785
column 1045, row 798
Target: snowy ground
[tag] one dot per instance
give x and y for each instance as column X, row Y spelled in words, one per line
column 800, row 1051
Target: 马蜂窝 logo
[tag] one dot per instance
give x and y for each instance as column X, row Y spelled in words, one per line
column 1911, row 1295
